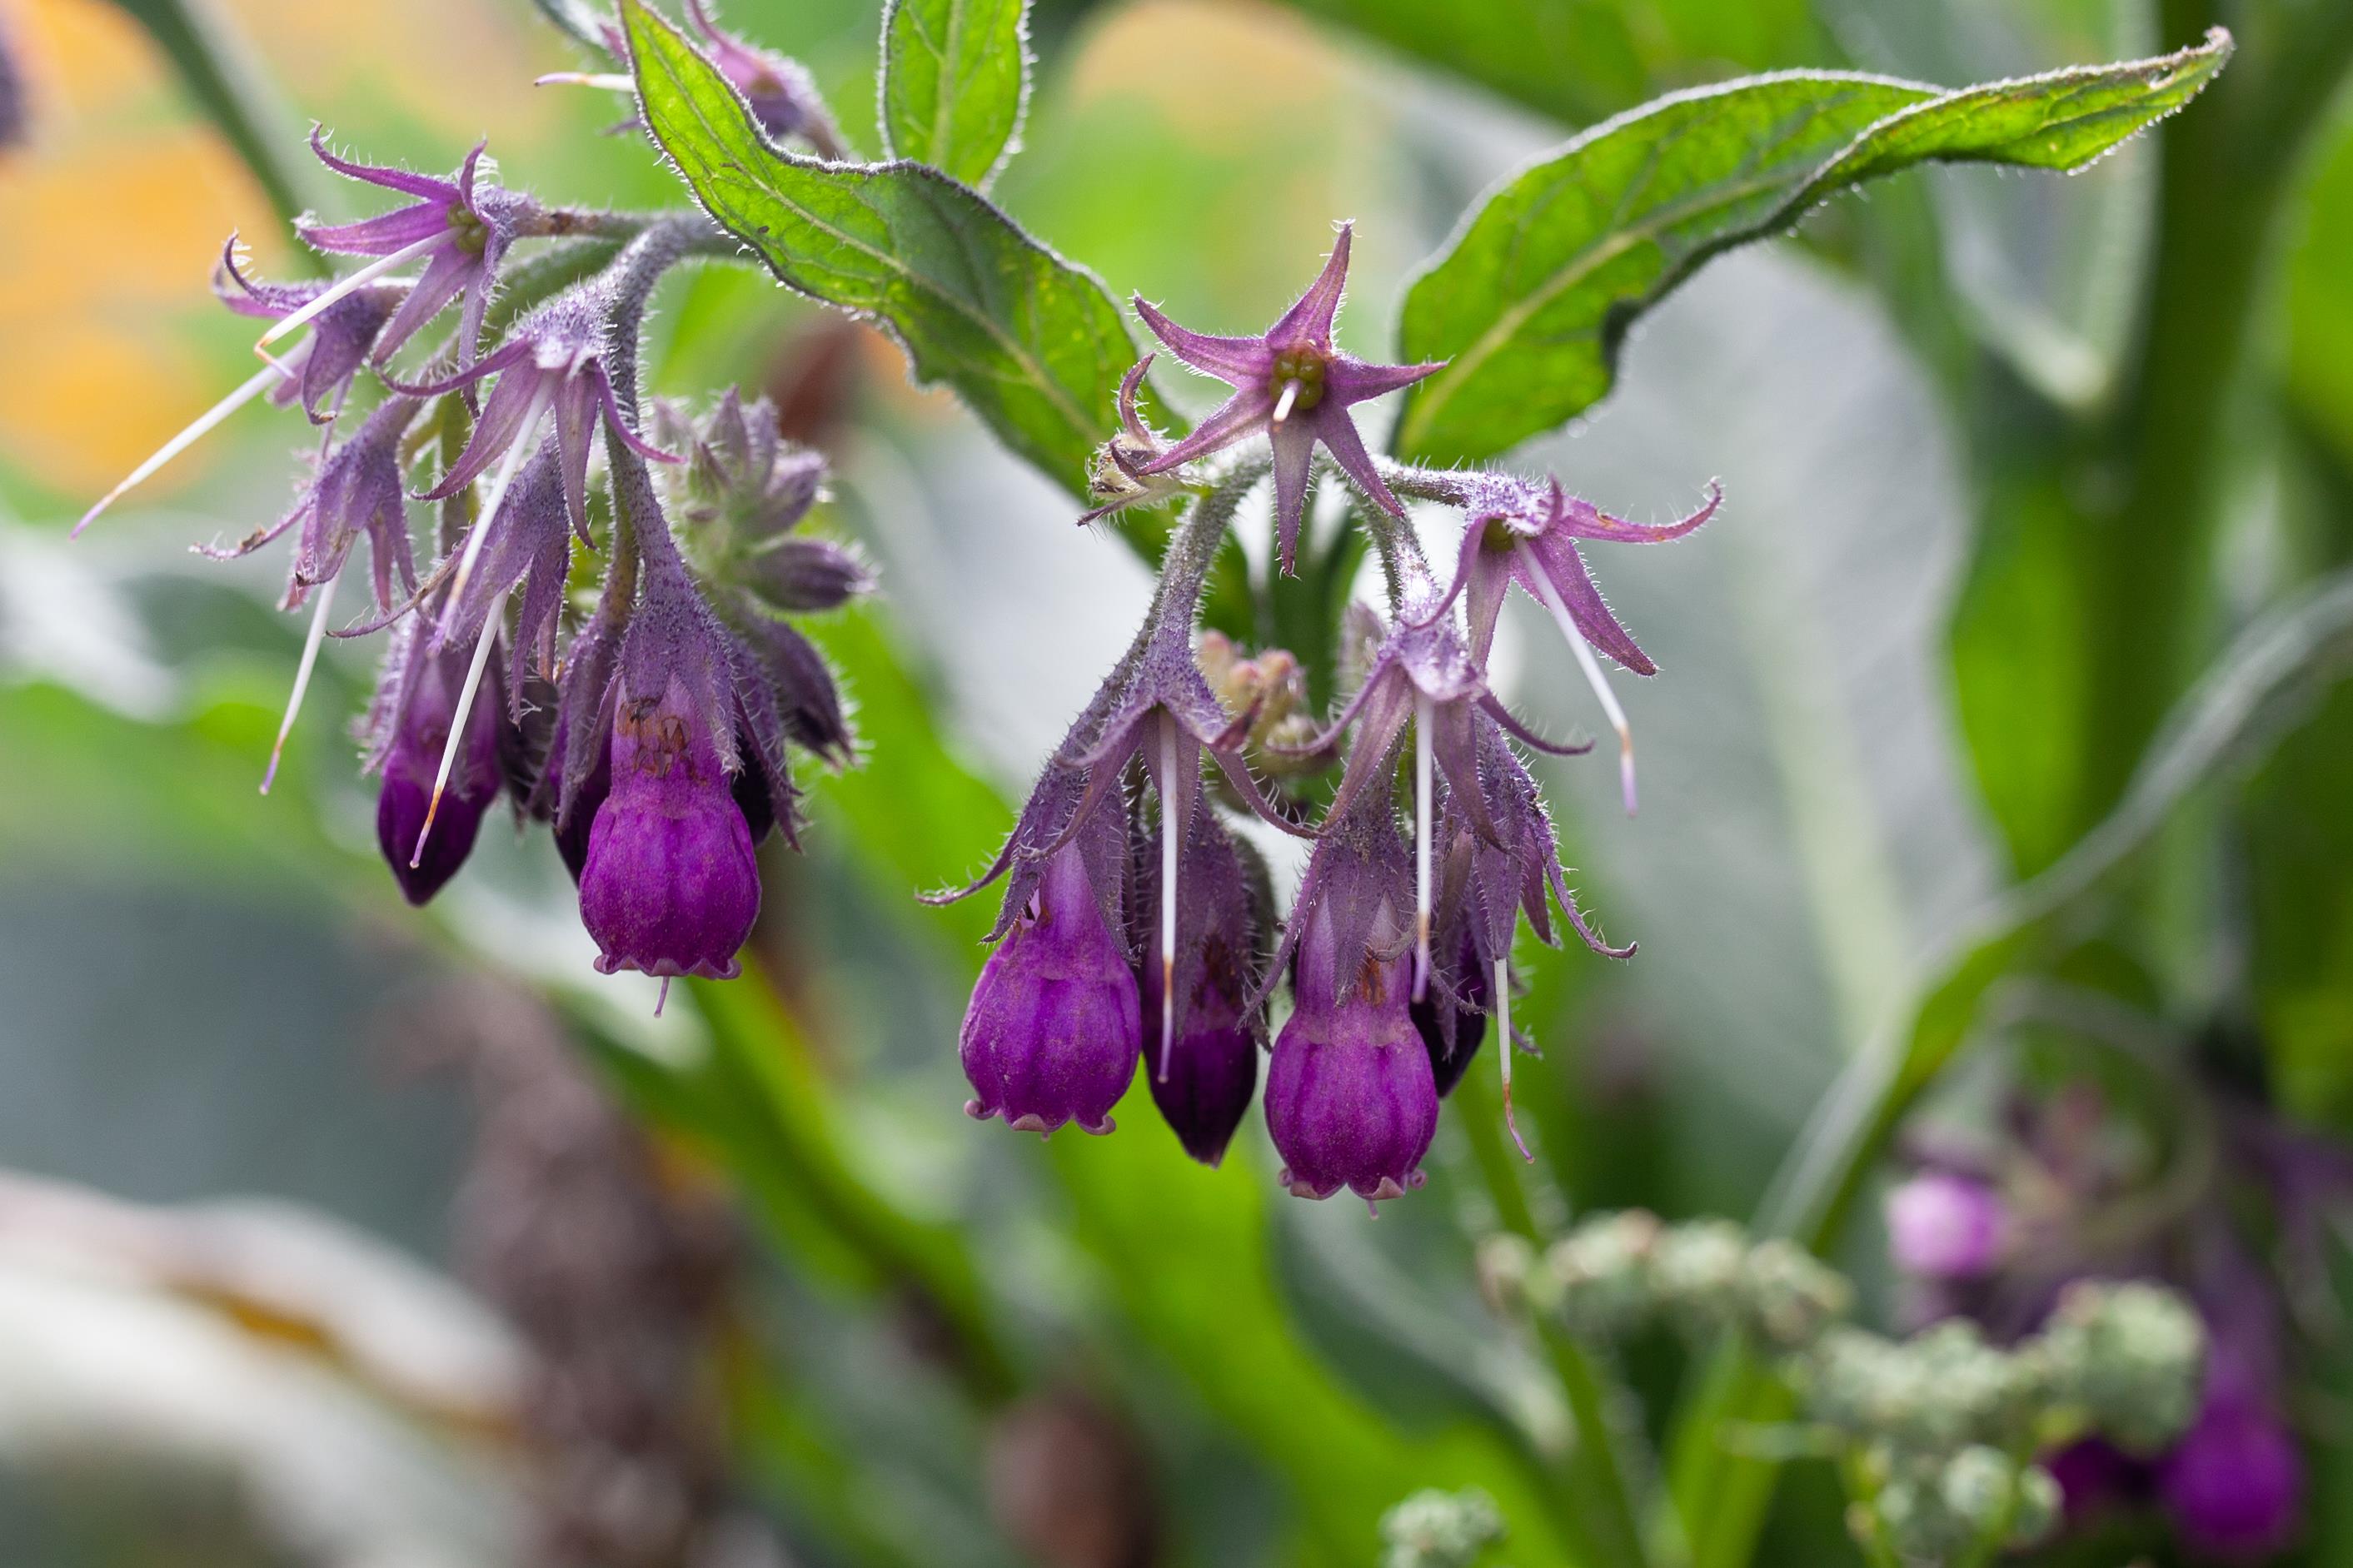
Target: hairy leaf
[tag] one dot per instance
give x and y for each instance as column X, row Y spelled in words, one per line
column 1533, row 300
column 1033, row 344
column 956, row 79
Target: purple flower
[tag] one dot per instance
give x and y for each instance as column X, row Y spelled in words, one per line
column 1202, row 1076
column 1516, row 530
column 1450, row 1015
column 1350, row 1098
column 357, row 494
column 1945, row 1225
column 778, row 91
column 1293, row 386
column 670, row 885
column 459, row 227
column 2234, row 1483
column 1054, row 1030
column 551, row 362
column 321, row 366
column 410, row 724
column 1420, row 672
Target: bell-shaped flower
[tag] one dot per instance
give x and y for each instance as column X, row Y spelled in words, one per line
column 1518, row 530
column 1203, row 1071
column 1294, row 386
column 1350, row 1098
column 1054, row 1030
column 410, row 728
column 1420, row 672
column 670, row 885
column 459, row 227
column 1155, row 711
column 318, row 372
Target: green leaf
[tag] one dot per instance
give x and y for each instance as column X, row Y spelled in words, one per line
column 956, row 79
column 1034, row 345
column 1532, row 301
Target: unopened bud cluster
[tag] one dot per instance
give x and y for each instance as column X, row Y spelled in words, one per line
column 1437, row 1529
column 1618, row 1273
column 1942, row 1426
column 1937, row 1432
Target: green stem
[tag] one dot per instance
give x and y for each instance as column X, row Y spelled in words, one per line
column 1588, row 1488
column 2228, row 168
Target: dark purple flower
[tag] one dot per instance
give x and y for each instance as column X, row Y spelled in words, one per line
column 2234, row 1483
column 1202, row 1075
column 1053, row 1031
column 1293, row 386
column 458, row 227
column 1516, row 530
column 1350, row 1098
column 319, row 368
column 670, row 885
column 779, row 92
column 1450, row 1015
column 409, row 734
column 1945, row 1225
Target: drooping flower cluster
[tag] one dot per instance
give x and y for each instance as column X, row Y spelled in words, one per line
column 1397, row 947
column 651, row 729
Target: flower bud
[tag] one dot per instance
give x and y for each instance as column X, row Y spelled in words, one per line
column 1943, row 1225
column 1793, row 1295
column 1054, row 1030
column 2129, row 1355
column 415, row 710
column 1435, row 1529
column 1603, row 1267
column 670, row 885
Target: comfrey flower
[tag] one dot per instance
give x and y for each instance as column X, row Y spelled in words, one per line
column 740, row 499
column 1055, row 1029
column 1202, row 1076
column 438, row 763
column 1157, row 714
column 319, row 371
column 777, row 90
column 1291, row 384
column 1499, row 861
column 357, row 494
column 459, row 227
column 1518, row 530
column 1118, row 475
column 1422, row 672
column 1350, row 1098
column 670, row 885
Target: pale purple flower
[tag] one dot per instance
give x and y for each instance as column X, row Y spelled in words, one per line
column 319, row 369
column 1942, row 1225
column 1292, row 385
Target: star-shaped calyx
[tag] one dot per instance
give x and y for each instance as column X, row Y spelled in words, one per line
column 1293, row 386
